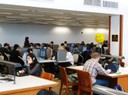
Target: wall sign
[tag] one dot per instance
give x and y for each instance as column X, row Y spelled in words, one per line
column 115, row 38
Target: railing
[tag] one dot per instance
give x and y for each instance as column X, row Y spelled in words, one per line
column 15, row 65
column 113, row 56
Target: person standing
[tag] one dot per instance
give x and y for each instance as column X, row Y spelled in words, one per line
column 26, row 42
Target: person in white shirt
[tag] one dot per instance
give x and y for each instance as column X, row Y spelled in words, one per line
column 69, row 56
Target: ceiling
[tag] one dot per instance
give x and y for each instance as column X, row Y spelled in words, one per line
column 27, row 15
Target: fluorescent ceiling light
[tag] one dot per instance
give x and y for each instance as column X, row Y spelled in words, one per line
column 51, row 12
column 16, row 17
column 41, row 22
column 78, row 14
column 31, row 15
column 45, row 19
column 80, row 18
column 65, row 20
column 5, row 13
column 61, row 17
column 14, row 9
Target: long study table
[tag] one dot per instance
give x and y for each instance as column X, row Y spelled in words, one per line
column 118, row 78
column 26, row 85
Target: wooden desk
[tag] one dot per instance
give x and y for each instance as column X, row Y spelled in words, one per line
column 27, row 85
column 119, row 78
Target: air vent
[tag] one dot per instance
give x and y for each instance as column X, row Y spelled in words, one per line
column 92, row 2
column 110, row 4
column 88, row 2
column 97, row 2
column 43, row 0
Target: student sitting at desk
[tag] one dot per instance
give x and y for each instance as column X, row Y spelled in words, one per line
column 112, row 64
column 61, row 47
column 69, row 56
column 94, row 68
column 34, row 67
column 49, row 52
column 15, row 55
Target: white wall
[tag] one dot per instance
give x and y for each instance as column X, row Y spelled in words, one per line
column 16, row 33
column 124, row 9
column 115, row 26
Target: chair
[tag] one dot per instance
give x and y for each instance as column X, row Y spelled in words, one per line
column 6, row 57
column 48, row 76
column 75, row 56
column 84, row 83
column 64, row 81
column 122, row 64
column 80, row 60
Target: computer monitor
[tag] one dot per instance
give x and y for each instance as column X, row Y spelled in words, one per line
column 84, row 48
column 80, row 48
column 55, row 47
column 43, row 45
column 36, row 52
column 22, row 50
column 98, row 49
column 43, row 53
column 61, row 55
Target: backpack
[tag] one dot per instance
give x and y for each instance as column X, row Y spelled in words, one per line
column 118, row 87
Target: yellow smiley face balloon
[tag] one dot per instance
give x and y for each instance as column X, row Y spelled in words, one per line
column 99, row 38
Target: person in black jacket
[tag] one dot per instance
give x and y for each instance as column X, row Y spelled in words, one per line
column 5, row 51
column 86, row 54
column 15, row 55
column 26, row 42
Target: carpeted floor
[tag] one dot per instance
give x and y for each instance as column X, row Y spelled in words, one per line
column 56, row 89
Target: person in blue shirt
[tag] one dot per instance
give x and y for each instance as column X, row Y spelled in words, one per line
column 112, row 64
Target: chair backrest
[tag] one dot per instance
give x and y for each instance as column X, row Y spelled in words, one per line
column 84, row 82
column 6, row 57
column 48, row 76
column 63, row 75
column 80, row 58
column 122, row 64
column 75, row 56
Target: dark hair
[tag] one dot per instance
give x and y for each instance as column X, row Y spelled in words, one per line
column 62, row 44
column 26, row 38
column 65, row 41
column 89, row 46
column 34, row 59
column 67, row 49
column 52, row 42
column 6, row 44
column 29, row 50
column 46, row 92
column 16, row 46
